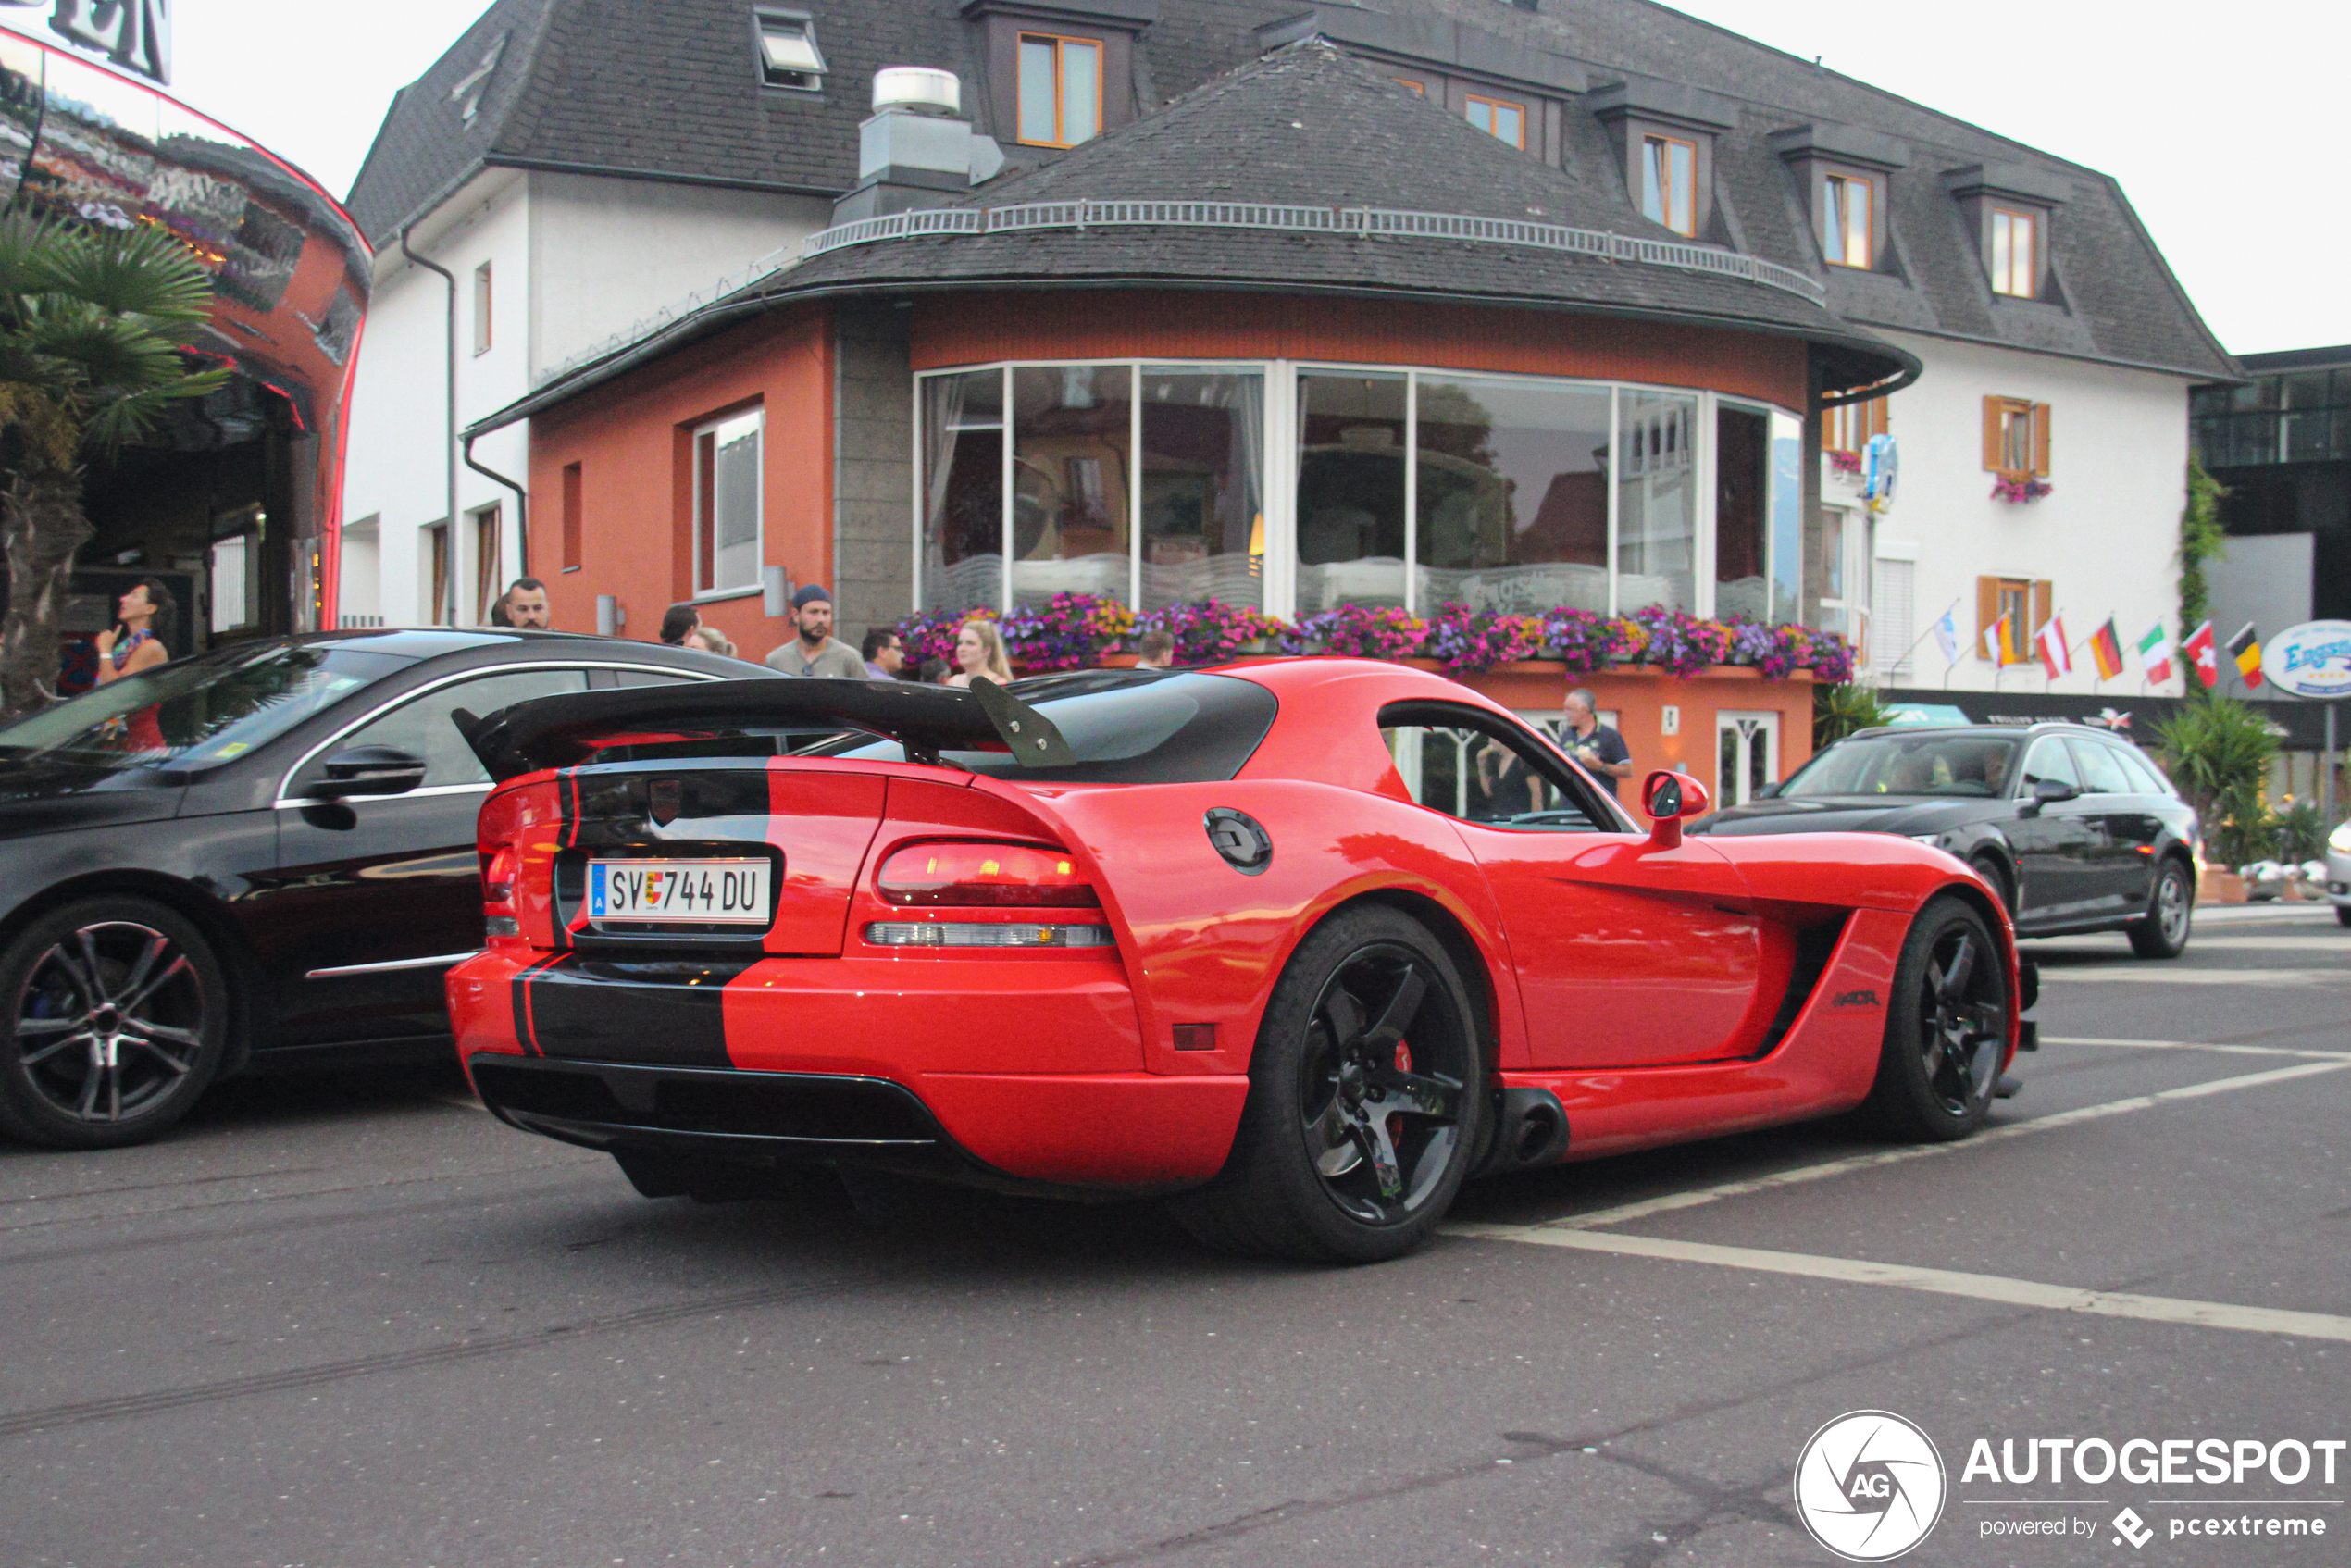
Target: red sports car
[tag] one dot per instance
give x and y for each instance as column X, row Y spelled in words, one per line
column 1300, row 946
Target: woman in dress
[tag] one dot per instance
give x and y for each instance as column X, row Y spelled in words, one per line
column 143, row 615
column 979, row 650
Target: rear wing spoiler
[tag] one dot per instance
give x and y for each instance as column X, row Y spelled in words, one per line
column 567, row 730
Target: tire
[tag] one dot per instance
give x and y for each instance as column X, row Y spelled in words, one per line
column 1945, row 1029
column 118, row 1020
column 1367, row 1101
column 1990, row 868
column 2170, row 914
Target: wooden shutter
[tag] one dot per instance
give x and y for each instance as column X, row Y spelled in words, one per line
column 2041, row 439
column 1987, row 609
column 1993, row 407
column 1880, row 415
column 2043, row 594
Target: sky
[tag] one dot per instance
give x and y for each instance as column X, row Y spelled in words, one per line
column 2215, row 118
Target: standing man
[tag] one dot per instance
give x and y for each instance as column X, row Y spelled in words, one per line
column 815, row 650
column 885, row 655
column 526, row 603
column 1601, row 750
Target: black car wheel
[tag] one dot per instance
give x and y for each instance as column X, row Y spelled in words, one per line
column 1366, row 1101
column 1946, row 1029
column 1988, row 866
column 2171, row 910
column 119, row 1014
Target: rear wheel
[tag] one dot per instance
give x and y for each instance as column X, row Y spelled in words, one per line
column 119, row 1016
column 1366, row 1101
column 2171, row 908
column 1946, row 1029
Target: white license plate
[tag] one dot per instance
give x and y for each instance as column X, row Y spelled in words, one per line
column 679, row 892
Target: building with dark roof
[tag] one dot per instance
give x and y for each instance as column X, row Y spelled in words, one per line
column 1510, row 304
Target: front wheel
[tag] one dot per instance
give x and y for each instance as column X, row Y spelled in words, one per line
column 2164, row 931
column 119, row 1016
column 1946, row 1029
column 1367, row 1103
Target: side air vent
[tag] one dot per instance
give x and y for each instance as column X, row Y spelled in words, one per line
column 1815, row 945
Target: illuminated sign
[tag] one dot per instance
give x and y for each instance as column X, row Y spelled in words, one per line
column 134, row 35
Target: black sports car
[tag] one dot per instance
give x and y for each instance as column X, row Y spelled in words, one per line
column 2074, row 825
column 263, row 855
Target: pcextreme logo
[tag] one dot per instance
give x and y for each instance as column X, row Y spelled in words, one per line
column 1869, row 1485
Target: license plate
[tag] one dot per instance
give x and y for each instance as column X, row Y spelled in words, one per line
column 678, row 892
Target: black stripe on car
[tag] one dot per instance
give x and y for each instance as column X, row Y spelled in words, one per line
column 664, row 1012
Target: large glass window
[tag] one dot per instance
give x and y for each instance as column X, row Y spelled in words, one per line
column 1060, row 90
column 726, row 503
column 1350, row 489
column 1742, row 506
column 1072, row 429
column 962, row 499
column 1656, row 500
column 1203, row 504
column 1512, row 504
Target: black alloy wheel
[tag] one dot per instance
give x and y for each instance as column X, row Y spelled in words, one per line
column 118, row 1019
column 1366, row 1101
column 1946, row 1029
column 2163, row 933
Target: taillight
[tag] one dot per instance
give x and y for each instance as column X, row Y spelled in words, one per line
column 500, row 823
column 1006, row 875
column 498, row 881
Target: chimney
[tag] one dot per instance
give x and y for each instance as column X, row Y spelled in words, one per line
column 916, row 151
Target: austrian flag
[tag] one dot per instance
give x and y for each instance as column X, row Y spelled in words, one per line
column 2057, row 659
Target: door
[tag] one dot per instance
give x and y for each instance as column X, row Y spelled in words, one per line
column 2123, row 863
column 1747, row 756
column 380, row 896
column 2057, row 846
column 1624, row 956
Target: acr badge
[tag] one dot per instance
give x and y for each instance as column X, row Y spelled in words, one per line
column 1246, row 846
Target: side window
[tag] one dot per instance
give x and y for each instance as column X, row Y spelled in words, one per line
column 1498, row 781
column 2142, row 772
column 2102, row 772
column 628, row 677
column 2049, row 759
column 425, row 728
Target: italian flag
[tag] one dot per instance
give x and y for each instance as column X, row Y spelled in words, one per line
column 2155, row 654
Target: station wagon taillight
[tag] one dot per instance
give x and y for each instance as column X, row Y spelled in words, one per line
column 1004, row 875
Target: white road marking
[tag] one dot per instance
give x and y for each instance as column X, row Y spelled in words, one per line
column 2058, row 975
column 1670, row 1202
column 2202, row 1045
column 1935, row 1281
column 2338, row 942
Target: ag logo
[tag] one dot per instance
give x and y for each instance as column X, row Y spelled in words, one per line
column 1855, row 999
column 1869, row 1486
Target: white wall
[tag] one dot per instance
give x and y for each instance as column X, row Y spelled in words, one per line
column 607, row 254
column 2106, row 538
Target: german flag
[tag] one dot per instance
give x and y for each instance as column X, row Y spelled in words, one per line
column 2246, row 648
column 2105, row 649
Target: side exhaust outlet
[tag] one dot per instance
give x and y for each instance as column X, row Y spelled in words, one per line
column 1530, row 1130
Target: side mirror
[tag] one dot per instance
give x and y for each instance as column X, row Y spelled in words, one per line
column 1670, row 798
column 369, row 771
column 2047, row 791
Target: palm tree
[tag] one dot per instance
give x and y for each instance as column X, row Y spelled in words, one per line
column 93, row 325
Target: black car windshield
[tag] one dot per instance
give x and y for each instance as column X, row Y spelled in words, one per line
column 1125, row 729
column 1940, row 763
column 196, row 713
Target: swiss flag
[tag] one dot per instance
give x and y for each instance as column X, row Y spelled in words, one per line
column 2203, row 654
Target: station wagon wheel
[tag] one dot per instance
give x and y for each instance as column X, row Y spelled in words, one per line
column 1366, row 1098
column 118, row 1018
column 1947, row 1027
column 2163, row 933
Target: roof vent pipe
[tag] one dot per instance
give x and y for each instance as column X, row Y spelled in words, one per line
column 916, row 150
column 918, row 88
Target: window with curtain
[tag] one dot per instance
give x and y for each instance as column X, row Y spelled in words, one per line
column 963, row 561
column 1060, row 90
column 726, row 503
column 1350, row 489
column 1513, row 505
column 1203, row 508
column 2016, row 254
column 1499, row 118
column 1656, row 500
column 1071, row 430
column 1669, row 183
column 1846, row 217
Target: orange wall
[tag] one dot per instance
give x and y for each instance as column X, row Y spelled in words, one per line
column 1641, row 698
column 1113, row 323
column 633, row 440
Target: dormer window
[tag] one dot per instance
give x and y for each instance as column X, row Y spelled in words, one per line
column 1060, row 90
column 1669, row 183
column 2010, row 207
column 1499, row 118
column 2016, row 253
column 787, row 52
column 1848, row 205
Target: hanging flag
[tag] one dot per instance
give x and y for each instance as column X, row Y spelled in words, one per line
column 2202, row 655
column 2246, row 648
column 2106, row 648
column 2155, row 654
column 1946, row 636
column 2056, row 657
column 1996, row 641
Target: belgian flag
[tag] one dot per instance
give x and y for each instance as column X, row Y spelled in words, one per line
column 2246, row 648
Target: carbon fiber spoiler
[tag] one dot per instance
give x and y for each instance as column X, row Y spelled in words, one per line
column 567, row 730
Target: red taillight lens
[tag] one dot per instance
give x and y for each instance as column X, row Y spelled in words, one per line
column 1014, row 875
column 498, row 878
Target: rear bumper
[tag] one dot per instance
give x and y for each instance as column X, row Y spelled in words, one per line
column 1029, row 1073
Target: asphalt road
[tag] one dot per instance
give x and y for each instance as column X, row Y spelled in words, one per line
column 345, row 1323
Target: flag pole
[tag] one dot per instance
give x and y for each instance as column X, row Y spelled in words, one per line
column 1920, row 641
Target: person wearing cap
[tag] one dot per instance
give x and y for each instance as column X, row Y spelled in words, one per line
column 815, row 650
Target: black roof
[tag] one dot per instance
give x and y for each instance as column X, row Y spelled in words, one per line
column 670, row 92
